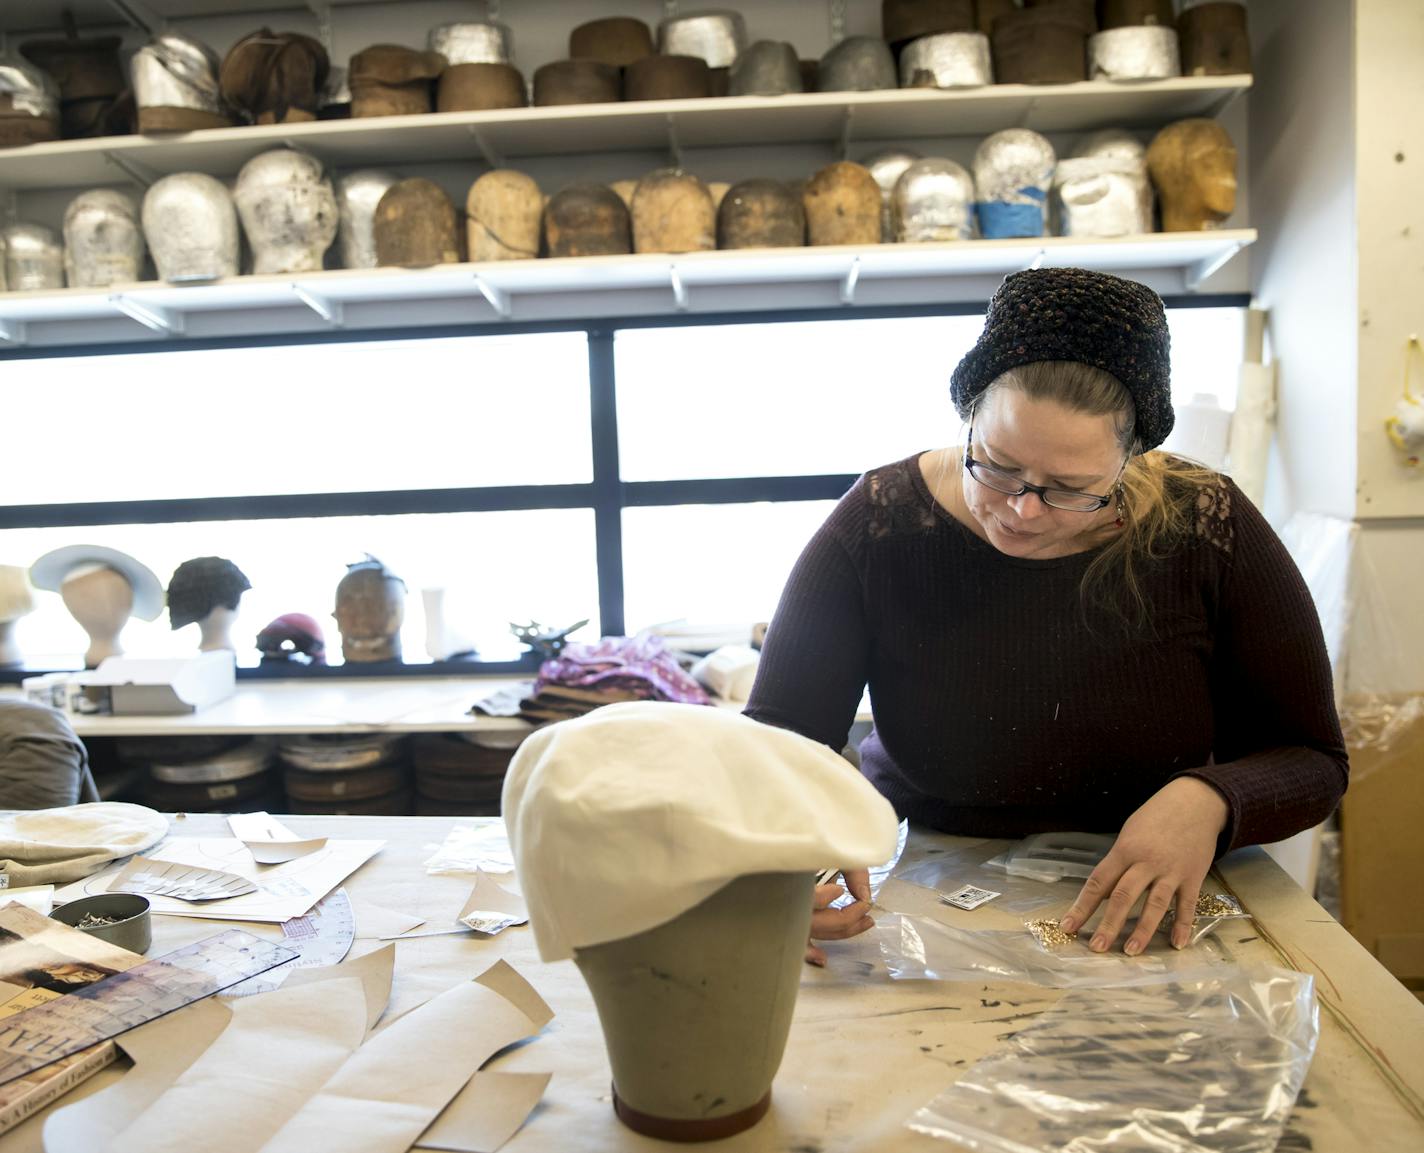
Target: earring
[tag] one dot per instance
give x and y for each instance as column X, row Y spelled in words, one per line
column 1120, row 514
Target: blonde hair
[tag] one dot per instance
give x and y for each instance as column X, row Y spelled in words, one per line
column 1158, row 491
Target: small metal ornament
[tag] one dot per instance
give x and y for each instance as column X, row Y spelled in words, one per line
column 103, row 244
column 857, row 64
column 34, row 258
column 767, row 68
column 190, row 223
column 715, row 35
column 473, row 42
column 1143, row 53
column 887, row 167
column 288, row 211
column 1012, row 173
column 933, row 201
column 357, row 195
column 1103, row 189
column 948, row 60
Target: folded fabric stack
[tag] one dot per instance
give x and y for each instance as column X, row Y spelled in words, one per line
column 346, row 773
column 205, row 774
column 584, row 677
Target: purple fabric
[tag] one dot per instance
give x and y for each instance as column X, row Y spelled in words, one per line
column 640, row 664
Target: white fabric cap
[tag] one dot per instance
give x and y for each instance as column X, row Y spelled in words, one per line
column 54, row 846
column 627, row 817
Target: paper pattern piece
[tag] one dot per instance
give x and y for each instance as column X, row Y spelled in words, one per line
column 491, row 908
column 472, row 848
column 183, row 882
column 40, row 898
column 377, row 921
column 282, row 891
column 486, row 1113
column 268, row 840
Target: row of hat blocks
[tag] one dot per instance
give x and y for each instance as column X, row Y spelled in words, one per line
column 433, row 232
column 294, row 218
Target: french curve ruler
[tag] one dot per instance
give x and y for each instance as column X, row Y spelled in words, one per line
column 320, row 937
column 98, row 1012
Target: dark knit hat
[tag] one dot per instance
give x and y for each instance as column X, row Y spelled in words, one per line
column 1091, row 318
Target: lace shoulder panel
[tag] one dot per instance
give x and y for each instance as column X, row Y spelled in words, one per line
column 896, row 505
column 1214, row 522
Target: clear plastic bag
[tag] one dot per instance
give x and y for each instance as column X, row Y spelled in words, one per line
column 918, row 948
column 947, row 872
column 1210, row 1063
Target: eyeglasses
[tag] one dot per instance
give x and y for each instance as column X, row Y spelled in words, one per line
column 1067, row 499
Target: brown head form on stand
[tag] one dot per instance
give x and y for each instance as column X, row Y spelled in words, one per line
column 761, row 214
column 587, row 220
column 842, row 203
column 370, row 609
column 1193, row 166
column 503, row 212
column 414, row 225
column 673, row 212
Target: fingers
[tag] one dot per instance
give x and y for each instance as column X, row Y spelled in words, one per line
column 1186, row 915
column 815, row 956
column 1091, row 895
column 824, row 895
column 1159, row 899
column 1120, row 901
column 838, row 924
column 858, row 883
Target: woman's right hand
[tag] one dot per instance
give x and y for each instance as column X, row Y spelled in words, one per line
column 829, row 924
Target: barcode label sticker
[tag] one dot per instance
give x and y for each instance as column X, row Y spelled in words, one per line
column 968, row 897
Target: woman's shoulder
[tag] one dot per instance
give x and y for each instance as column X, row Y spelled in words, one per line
column 1215, row 504
column 895, row 500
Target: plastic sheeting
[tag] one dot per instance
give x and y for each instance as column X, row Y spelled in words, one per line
column 1210, row 1062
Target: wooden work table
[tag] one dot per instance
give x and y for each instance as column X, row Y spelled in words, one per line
column 865, row 1052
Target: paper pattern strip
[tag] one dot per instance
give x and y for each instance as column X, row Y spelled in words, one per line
column 487, row 1112
column 470, row 848
column 268, row 840
column 183, row 882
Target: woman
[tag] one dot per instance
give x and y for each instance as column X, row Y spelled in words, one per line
column 1062, row 629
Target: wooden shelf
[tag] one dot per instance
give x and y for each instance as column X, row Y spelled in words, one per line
column 840, row 119
column 570, row 289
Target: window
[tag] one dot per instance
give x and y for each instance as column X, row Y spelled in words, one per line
column 632, row 474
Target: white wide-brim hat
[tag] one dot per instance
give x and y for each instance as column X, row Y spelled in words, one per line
column 625, row 818
column 50, row 571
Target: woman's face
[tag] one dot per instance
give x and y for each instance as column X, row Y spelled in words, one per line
column 1045, row 443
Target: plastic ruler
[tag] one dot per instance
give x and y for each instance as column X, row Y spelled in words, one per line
column 124, row 1001
column 320, row 937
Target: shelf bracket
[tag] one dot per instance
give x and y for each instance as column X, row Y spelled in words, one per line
column 1030, row 110
column 138, row 173
column 679, row 290
column 847, row 121
column 1194, row 274
column 139, row 15
column 674, row 144
column 850, row 281
column 330, row 311
column 498, row 298
column 492, row 11
column 1037, row 261
column 487, row 150
column 164, row 320
column 13, row 332
column 836, row 16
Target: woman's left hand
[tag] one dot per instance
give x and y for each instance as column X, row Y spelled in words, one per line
column 1164, row 851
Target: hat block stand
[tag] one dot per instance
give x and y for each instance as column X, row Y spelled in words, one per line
column 696, row 1012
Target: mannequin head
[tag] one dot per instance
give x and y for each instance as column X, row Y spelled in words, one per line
column 207, row 590
column 370, row 609
column 100, row 599
column 15, row 601
column 1193, row 164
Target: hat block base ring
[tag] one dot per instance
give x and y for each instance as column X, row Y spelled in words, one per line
column 679, row 1129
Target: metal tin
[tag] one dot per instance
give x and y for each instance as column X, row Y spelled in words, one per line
column 857, row 64
column 190, row 223
column 1103, row 189
column 103, row 243
column 30, row 89
column 766, row 68
column 34, row 258
column 288, row 211
column 887, row 167
column 949, row 60
column 473, row 42
column 1147, row 52
column 176, row 71
column 716, row 35
column 933, row 201
column 1012, row 173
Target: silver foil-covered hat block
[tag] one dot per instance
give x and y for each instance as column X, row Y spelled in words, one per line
column 947, row 60
column 857, row 64
column 288, row 211
column 34, row 258
column 103, row 243
column 357, row 194
column 175, row 84
column 886, row 167
column 1103, row 189
column 717, row 36
column 1148, row 52
column 29, row 103
column 190, row 223
column 473, row 42
column 766, row 68
column 1012, row 173
column 933, row 201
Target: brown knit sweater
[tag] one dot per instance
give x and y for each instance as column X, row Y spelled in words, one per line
column 1002, row 709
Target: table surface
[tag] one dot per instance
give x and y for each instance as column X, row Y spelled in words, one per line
column 865, row 1052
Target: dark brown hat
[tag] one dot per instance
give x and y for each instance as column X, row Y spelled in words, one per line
column 392, row 80
column 475, row 87
column 274, row 77
column 667, row 78
column 617, row 40
column 904, row 20
column 761, row 214
column 1214, row 40
column 1040, row 46
column 414, row 225
column 587, row 220
column 580, row 81
column 94, row 96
